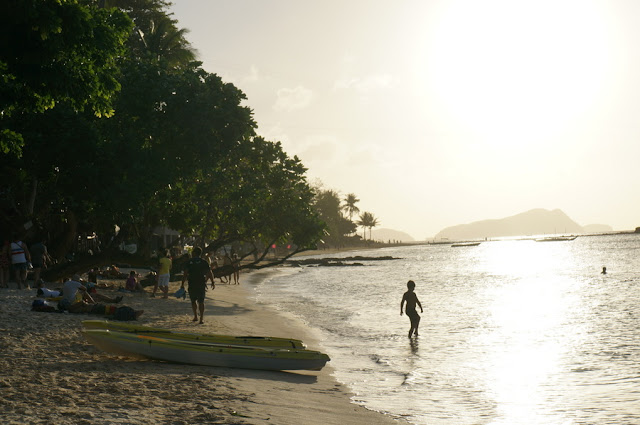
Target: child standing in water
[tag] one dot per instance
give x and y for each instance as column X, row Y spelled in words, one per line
column 411, row 299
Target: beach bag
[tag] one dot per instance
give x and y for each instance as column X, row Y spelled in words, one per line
column 124, row 313
column 181, row 293
column 64, row 304
column 42, row 305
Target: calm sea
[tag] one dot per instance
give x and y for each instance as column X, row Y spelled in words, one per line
column 513, row 332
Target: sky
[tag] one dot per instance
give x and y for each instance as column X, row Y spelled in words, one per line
column 439, row 113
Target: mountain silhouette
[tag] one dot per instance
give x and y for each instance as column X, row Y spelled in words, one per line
column 386, row 235
column 535, row 222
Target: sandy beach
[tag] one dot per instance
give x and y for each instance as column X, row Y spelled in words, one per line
column 52, row 375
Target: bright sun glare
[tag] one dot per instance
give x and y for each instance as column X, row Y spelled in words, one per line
column 526, row 317
column 518, row 71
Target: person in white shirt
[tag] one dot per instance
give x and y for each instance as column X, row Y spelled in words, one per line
column 20, row 259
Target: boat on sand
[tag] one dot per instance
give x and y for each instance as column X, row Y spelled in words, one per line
column 261, row 341
column 195, row 352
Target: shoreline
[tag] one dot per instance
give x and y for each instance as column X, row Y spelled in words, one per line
column 53, row 375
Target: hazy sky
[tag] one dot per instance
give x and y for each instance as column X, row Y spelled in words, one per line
column 438, row 113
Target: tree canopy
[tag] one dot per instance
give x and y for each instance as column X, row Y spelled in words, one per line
column 55, row 53
column 109, row 126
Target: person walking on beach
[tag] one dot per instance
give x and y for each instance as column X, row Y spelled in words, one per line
column 227, row 267
column 197, row 271
column 164, row 274
column 20, row 259
column 411, row 299
column 235, row 262
column 39, row 258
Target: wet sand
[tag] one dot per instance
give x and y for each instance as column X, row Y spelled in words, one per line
column 52, row 375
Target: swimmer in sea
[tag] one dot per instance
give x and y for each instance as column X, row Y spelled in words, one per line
column 411, row 299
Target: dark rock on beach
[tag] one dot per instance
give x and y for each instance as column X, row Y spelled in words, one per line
column 337, row 262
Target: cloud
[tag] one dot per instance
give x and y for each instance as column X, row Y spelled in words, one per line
column 253, row 76
column 320, row 149
column 366, row 84
column 292, row 99
column 276, row 133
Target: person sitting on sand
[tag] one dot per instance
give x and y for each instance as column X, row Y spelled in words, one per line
column 92, row 276
column 114, row 272
column 132, row 283
column 75, row 296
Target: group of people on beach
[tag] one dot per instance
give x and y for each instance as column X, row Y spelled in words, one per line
column 77, row 295
column 229, row 269
column 17, row 256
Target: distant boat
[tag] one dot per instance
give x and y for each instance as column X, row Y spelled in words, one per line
column 457, row 245
column 556, row 238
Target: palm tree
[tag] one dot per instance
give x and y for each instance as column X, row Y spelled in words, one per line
column 367, row 220
column 349, row 205
column 167, row 42
column 155, row 33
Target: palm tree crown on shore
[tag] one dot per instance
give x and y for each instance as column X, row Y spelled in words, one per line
column 367, row 220
column 349, row 205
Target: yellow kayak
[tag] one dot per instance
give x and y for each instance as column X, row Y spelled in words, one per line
column 241, row 341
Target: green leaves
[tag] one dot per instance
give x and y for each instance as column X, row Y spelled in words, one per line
column 102, row 126
column 58, row 52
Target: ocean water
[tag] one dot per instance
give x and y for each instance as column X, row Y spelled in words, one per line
column 513, row 332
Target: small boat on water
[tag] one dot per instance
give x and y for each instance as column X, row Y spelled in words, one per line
column 556, row 239
column 260, row 341
column 457, row 245
column 204, row 353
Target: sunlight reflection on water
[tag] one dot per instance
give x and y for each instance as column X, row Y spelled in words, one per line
column 513, row 332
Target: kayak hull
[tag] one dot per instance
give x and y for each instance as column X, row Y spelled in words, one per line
column 204, row 354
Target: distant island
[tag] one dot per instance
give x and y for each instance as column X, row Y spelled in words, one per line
column 535, row 222
column 390, row 235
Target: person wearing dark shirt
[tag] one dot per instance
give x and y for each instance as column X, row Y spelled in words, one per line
column 196, row 272
column 39, row 258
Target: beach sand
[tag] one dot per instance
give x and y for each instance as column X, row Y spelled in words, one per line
column 52, row 375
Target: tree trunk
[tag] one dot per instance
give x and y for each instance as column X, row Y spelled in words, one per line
column 32, row 197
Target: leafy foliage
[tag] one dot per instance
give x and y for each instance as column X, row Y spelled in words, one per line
column 327, row 203
column 136, row 138
column 55, row 52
